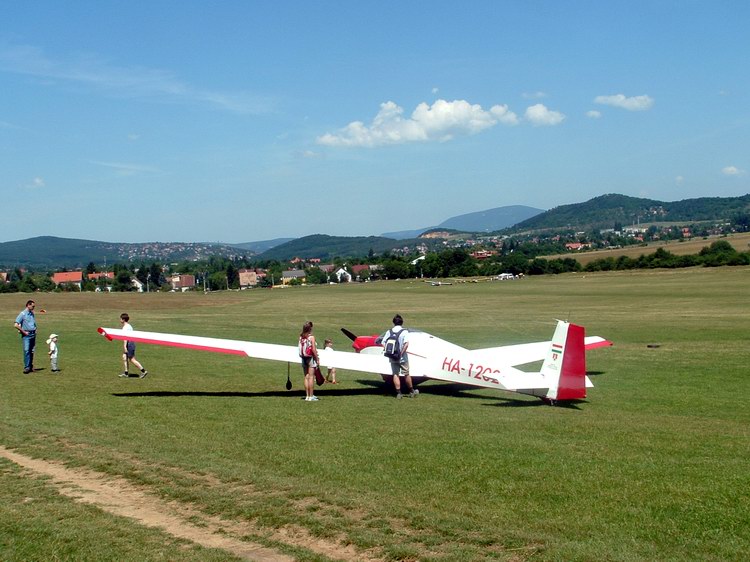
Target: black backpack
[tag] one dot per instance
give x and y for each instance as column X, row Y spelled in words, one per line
column 391, row 347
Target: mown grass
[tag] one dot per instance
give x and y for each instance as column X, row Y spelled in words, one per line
column 651, row 467
column 739, row 241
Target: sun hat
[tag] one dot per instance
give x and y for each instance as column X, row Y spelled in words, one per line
column 51, row 337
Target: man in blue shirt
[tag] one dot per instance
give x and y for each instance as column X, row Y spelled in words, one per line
column 26, row 326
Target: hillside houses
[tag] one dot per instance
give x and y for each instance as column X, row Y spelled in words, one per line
column 249, row 278
column 109, row 275
column 287, row 277
column 182, row 282
column 71, row 278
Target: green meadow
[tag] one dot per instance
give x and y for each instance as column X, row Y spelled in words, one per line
column 653, row 465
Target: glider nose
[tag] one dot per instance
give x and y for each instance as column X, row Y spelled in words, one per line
column 360, row 342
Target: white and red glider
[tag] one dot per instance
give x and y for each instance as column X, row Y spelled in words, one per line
column 562, row 376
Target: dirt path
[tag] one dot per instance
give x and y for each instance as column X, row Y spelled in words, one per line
column 120, row 497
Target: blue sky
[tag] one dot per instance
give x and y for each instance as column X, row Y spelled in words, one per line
column 238, row 121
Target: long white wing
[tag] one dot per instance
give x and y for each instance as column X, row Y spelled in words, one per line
column 274, row 352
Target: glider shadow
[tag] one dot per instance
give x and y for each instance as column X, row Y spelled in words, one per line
column 231, row 394
column 465, row 392
column 368, row 388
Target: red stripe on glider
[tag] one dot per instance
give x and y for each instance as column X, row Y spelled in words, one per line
column 174, row 344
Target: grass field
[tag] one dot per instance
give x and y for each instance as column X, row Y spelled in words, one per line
column 692, row 246
column 652, row 466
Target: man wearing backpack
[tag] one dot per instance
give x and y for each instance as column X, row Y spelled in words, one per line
column 395, row 343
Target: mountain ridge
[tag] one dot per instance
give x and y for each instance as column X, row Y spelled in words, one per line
column 605, row 211
column 489, row 220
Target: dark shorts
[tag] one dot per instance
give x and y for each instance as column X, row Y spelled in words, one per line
column 130, row 346
column 308, row 362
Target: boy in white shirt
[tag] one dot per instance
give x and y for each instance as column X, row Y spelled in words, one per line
column 128, row 351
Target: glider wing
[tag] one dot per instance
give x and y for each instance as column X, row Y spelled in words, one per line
column 270, row 351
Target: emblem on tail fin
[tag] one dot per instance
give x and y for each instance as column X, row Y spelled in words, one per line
column 565, row 364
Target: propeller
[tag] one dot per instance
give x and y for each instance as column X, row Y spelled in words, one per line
column 348, row 334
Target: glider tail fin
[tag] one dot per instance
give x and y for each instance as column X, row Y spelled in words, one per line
column 565, row 364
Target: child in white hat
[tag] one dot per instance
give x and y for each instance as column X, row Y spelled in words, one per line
column 52, row 343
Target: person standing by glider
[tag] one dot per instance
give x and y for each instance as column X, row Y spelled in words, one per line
column 395, row 343
column 331, row 375
column 308, row 353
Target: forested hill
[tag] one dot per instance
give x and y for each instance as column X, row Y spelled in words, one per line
column 54, row 252
column 326, row 247
column 606, row 210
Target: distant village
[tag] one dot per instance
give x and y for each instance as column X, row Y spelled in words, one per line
column 495, row 256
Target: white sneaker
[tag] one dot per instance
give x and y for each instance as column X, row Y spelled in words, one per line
column 314, row 399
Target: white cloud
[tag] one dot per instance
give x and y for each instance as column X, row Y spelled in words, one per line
column 635, row 103
column 732, row 171
column 539, row 115
column 504, row 115
column 127, row 169
column 124, row 82
column 594, row 114
column 440, row 121
column 36, row 183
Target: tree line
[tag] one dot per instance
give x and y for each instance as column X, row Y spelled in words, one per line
column 219, row 273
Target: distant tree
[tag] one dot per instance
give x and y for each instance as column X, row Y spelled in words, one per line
column 741, row 222
column 142, row 273
column 395, row 269
column 316, row 276
column 719, row 253
column 273, row 272
column 217, row 281
column 233, row 276
column 156, row 276
column 91, row 268
column 516, row 264
column 538, row 266
column 44, row 282
column 27, row 284
column 123, row 281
